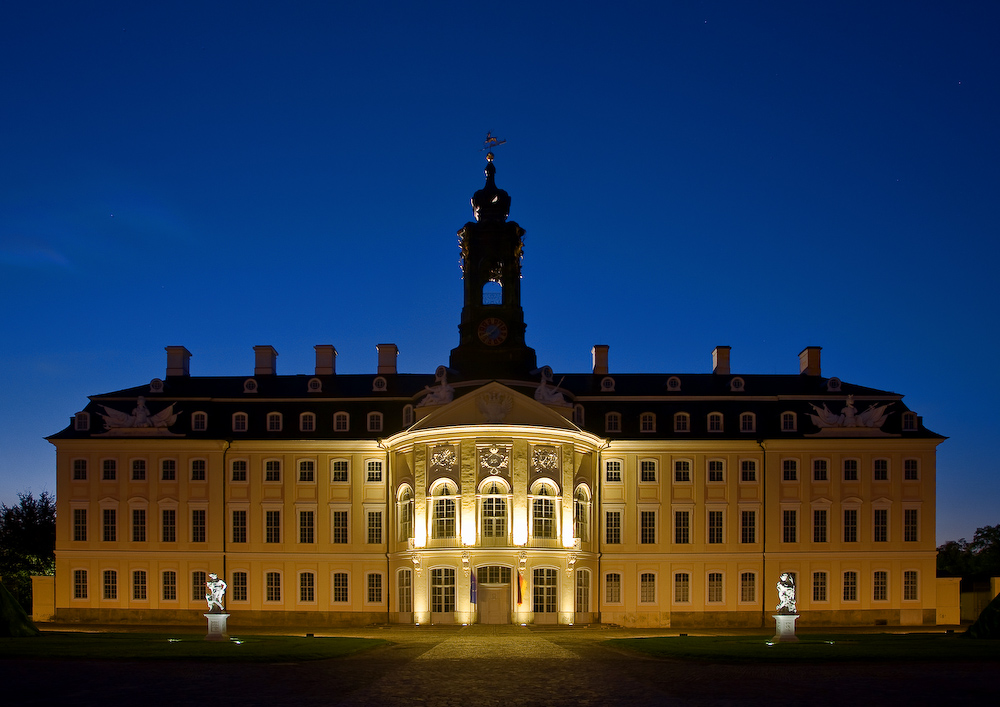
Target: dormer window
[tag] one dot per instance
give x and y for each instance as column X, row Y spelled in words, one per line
column 909, row 422
column 274, row 422
column 613, row 422
column 647, row 422
column 374, row 422
column 81, row 422
column 715, row 422
column 682, row 422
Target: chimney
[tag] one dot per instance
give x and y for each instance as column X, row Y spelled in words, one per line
column 326, row 360
column 600, row 356
column 265, row 361
column 387, row 354
column 178, row 361
column 809, row 361
column 720, row 360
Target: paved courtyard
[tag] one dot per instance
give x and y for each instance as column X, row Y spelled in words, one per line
column 492, row 665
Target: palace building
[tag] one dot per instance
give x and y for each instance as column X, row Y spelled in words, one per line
column 494, row 490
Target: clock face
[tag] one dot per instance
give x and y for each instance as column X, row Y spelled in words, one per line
column 492, row 331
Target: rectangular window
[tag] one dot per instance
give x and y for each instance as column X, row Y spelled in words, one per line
column 79, row 470
column 138, row 470
column 682, row 587
column 198, row 469
column 911, row 523
column 880, row 470
column 850, row 586
column 748, row 587
column 647, row 469
column 819, row 525
column 198, row 525
column 340, row 587
column 169, row 527
column 442, row 590
column 272, row 526
column 682, row 470
column 748, row 526
column 819, row 586
column 910, row 585
column 340, row 527
column 198, row 581
column 851, row 525
column 647, row 532
column 307, row 523
column 880, row 586
column 139, row 585
column 240, row 470
column 819, row 470
column 272, row 470
column 613, row 588
column 239, row 526
column 715, row 470
column 170, row 586
column 682, row 527
column 79, row 584
column 168, row 470
column 405, row 581
column 307, row 423
column 850, row 470
column 543, row 518
column 110, row 584
column 374, row 589
column 790, row 470
column 110, row 525
column 911, row 470
column 339, row 470
column 880, row 529
column 647, row 588
column 239, row 586
column 374, row 472
column 543, row 591
column 80, row 524
column 307, row 470
column 748, row 470
column 444, row 517
column 582, row 591
column 138, row 525
column 307, row 587
column 109, row 470
column 613, row 470
column 788, row 525
column 715, row 527
column 612, row 527
column 374, row 527
column 714, row 587
column 273, row 586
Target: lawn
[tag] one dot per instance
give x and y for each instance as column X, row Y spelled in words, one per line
column 815, row 648
column 181, row 646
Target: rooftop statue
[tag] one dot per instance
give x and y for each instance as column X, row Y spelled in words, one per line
column 441, row 393
column 849, row 416
column 140, row 416
column 546, row 393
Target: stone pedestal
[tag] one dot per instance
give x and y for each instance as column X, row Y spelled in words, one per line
column 785, row 628
column 217, row 627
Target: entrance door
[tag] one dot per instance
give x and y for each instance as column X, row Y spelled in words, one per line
column 494, row 604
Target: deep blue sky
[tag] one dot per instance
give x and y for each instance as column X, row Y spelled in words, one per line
column 760, row 175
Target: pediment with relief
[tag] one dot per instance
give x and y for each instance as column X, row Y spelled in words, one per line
column 494, row 404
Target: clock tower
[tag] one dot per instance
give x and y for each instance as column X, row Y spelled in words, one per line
column 491, row 332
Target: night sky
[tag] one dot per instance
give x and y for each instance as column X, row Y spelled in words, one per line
column 760, row 175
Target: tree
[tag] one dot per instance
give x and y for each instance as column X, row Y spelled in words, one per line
column 976, row 560
column 27, row 543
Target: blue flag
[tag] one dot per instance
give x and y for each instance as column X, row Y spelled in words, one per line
column 472, row 589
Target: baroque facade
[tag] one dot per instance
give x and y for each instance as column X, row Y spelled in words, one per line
column 493, row 490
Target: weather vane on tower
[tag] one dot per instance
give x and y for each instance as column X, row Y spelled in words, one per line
column 489, row 143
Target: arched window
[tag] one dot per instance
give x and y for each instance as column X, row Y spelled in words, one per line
column 581, row 513
column 307, row 422
column 404, row 505
column 715, row 422
column 374, row 422
column 789, row 422
column 647, row 422
column 682, row 422
column 199, row 422
column 613, row 422
column 578, row 417
column 274, row 422
column 341, row 422
column 748, row 422
column 493, row 511
column 443, row 521
column 492, row 292
column 239, row 422
column 544, row 523
column 407, row 415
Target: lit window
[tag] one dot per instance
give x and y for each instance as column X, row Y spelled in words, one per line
column 307, row 470
column 714, row 587
column 613, row 470
column 682, row 588
column 647, row 588
column 613, row 588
